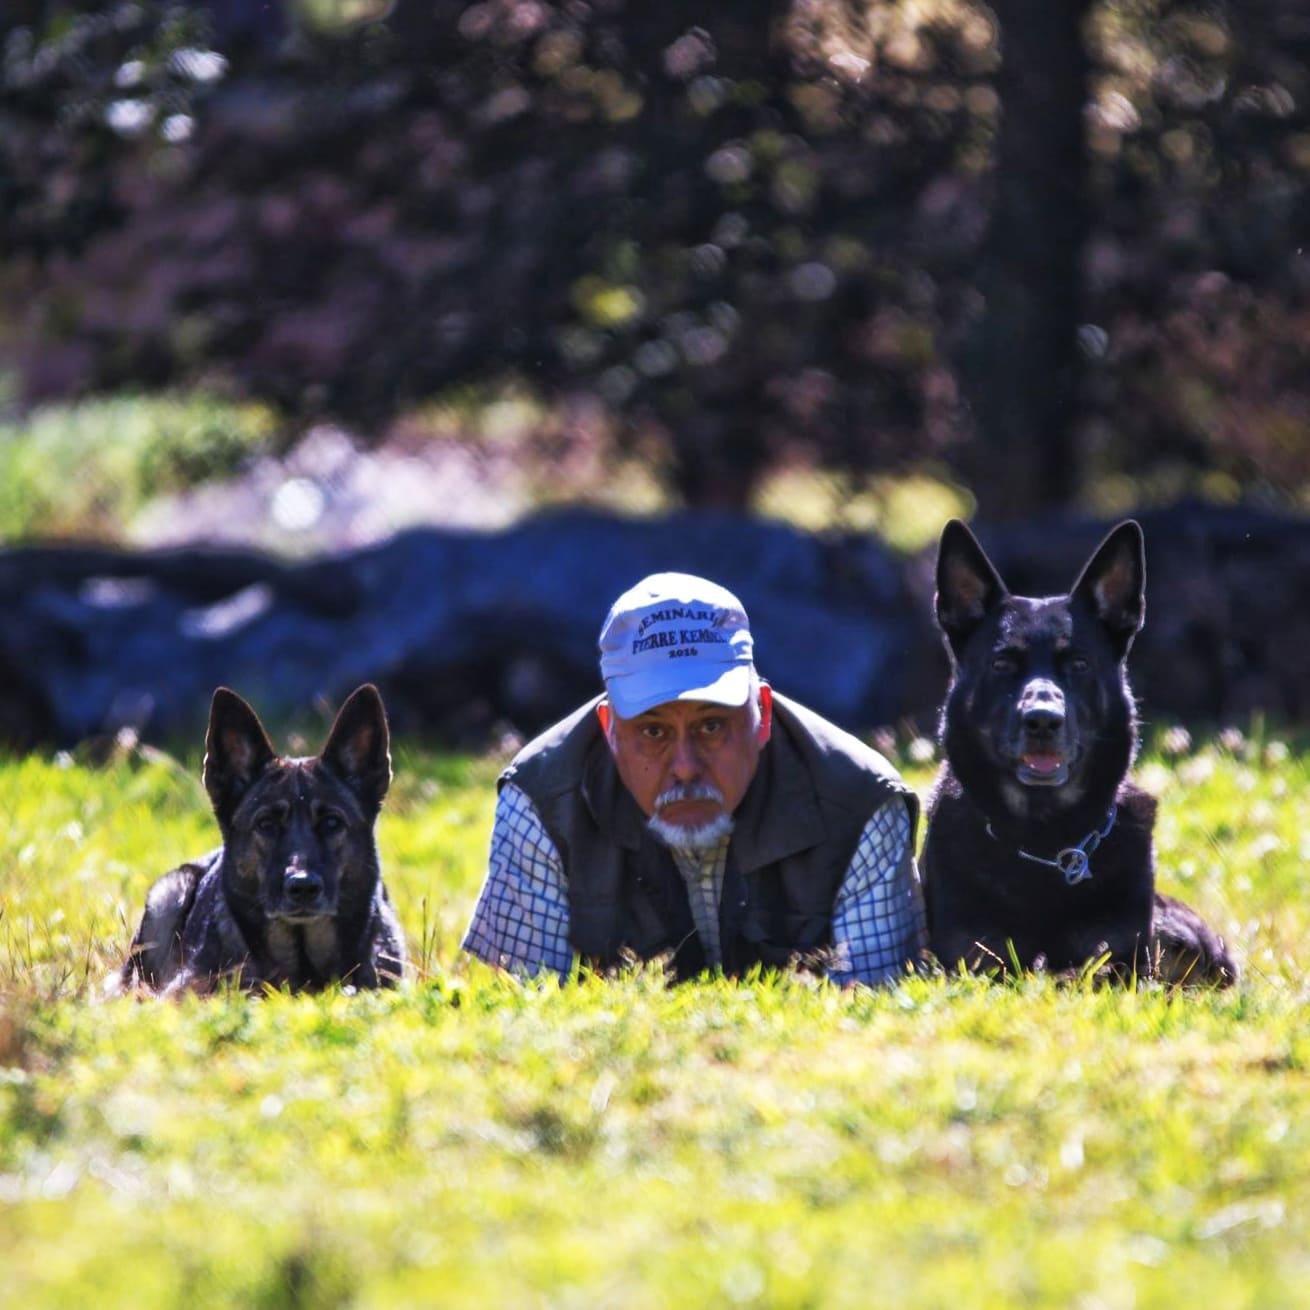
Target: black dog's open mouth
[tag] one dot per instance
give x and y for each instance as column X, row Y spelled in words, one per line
column 1042, row 769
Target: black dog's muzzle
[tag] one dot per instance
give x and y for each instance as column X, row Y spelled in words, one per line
column 1042, row 748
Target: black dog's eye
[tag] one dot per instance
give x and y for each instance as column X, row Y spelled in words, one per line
column 1004, row 664
column 330, row 823
column 268, row 824
column 1078, row 664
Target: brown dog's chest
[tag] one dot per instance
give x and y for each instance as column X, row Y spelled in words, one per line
column 303, row 953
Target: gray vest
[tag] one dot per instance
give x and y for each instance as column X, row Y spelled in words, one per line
column 796, row 830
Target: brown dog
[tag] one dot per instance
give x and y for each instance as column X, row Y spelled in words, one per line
column 294, row 896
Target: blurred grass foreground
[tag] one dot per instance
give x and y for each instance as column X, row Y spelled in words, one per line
column 770, row 1142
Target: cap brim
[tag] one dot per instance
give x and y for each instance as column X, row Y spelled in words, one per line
column 635, row 695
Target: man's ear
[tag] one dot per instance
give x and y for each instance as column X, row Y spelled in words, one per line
column 765, row 730
column 606, row 716
column 1113, row 584
column 237, row 750
column 968, row 585
column 358, row 749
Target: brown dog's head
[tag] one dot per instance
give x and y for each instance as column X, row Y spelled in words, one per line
column 298, row 833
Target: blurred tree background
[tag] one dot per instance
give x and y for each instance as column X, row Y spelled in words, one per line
column 1055, row 252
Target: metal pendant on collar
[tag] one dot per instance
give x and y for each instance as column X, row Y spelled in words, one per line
column 1073, row 862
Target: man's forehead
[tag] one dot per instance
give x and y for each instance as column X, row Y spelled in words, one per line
column 684, row 709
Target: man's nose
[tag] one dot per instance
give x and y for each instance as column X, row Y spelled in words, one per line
column 686, row 763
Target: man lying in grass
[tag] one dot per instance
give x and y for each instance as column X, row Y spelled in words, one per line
column 692, row 814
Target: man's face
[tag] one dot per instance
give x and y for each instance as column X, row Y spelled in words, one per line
column 689, row 746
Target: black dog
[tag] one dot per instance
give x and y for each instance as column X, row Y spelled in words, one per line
column 294, row 896
column 1039, row 851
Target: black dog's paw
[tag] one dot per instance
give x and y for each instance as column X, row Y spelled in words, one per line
column 1186, row 951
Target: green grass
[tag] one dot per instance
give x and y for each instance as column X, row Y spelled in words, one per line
column 472, row 1141
column 84, row 470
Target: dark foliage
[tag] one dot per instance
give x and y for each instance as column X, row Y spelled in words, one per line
column 754, row 229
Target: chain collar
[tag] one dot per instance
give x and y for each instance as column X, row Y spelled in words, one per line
column 1074, row 862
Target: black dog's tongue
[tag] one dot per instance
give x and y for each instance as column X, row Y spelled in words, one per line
column 1043, row 768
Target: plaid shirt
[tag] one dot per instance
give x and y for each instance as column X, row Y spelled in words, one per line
column 521, row 920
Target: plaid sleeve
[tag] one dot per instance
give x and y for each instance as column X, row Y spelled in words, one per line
column 878, row 921
column 521, row 920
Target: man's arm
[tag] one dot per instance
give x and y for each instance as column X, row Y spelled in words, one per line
column 878, row 922
column 521, row 920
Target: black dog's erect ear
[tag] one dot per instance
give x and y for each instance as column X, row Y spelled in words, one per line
column 358, row 748
column 968, row 586
column 237, row 750
column 1113, row 584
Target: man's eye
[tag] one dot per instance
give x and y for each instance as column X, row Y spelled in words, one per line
column 709, row 727
column 652, row 731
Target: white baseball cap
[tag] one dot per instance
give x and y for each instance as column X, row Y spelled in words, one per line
column 675, row 636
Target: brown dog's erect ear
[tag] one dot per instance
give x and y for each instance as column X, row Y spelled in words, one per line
column 358, row 748
column 1113, row 584
column 968, row 586
column 237, row 750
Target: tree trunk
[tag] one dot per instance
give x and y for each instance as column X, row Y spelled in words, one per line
column 1022, row 370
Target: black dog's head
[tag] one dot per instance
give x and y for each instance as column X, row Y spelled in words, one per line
column 298, row 833
column 1039, row 718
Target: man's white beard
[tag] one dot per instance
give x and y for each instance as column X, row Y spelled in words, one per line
column 690, row 838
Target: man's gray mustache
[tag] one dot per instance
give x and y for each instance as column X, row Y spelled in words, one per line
column 692, row 791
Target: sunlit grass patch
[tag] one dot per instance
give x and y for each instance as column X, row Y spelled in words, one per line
column 83, row 470
column 907, row 511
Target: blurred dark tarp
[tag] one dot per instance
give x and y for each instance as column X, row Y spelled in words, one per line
column 472, row 634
